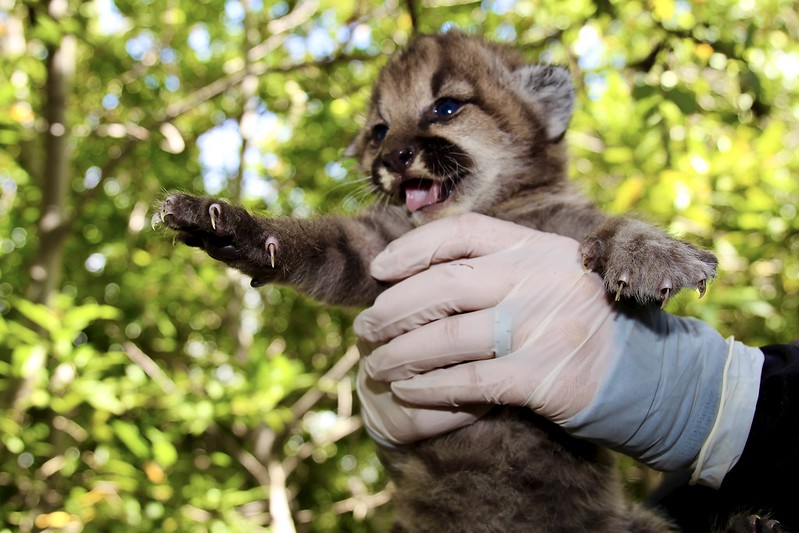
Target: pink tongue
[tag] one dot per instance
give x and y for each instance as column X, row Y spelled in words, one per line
column 419, row 195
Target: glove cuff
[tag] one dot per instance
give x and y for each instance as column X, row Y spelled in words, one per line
column 727, row 438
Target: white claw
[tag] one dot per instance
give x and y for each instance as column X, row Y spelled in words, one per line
column 621, row 288
column 271, row 249
column 623, row 281
column 666, row 292
column 214, row 210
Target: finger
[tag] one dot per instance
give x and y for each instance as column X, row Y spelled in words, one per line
column 493, row 381
column 445, row 342
column 442, row 290
column 469, row 235
column 391, row 421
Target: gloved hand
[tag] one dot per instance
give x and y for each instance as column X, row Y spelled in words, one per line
column 391, row 421
column 495, row 313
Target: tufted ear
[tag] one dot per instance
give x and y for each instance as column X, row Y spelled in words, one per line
column 549, row 89
column 356, row 147
column 360, row 142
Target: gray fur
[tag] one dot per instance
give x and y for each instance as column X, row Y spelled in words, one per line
column 549, row 89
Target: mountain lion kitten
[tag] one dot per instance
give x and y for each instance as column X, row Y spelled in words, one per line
column 460, row 125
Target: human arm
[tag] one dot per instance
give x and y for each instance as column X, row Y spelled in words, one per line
column 506, row 315
column 764, row 477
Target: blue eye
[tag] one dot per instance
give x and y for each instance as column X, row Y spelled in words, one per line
column 446, row 107
column 379, row 132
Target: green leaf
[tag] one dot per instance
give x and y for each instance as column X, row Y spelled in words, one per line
column 76, row 319
column 164, row 451
column 28, row 361
column 101, row 395
column 131, row 438
column 39, row 314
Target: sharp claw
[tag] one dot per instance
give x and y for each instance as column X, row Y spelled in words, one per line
column 159, row 218
column 702, row 288
column 255, row 283
column 175, row 240
column 621, row 288
column 214, row 211
column 623, row 281
column 271, row 249
column 665, row 292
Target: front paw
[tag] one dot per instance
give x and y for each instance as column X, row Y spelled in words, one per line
column 226, row 233
column 642, row 263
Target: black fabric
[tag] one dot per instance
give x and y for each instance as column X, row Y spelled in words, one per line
column 764, row 479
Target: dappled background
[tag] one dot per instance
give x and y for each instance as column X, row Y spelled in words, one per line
column 143, row 387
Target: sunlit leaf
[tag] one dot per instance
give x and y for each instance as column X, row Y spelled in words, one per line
column 129, row 435
column 76, row 319
column 28, row 361
column 39, row 314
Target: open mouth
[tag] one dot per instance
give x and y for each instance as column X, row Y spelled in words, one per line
column 420, row 193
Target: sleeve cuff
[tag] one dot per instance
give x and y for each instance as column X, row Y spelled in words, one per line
column 727, row 438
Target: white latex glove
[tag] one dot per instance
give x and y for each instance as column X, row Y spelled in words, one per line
column 391, row 421
column 506, row 315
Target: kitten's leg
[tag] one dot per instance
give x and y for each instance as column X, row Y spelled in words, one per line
column 326, row 258
column 641, row 262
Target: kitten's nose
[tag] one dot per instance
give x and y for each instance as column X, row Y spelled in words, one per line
column 399, row 160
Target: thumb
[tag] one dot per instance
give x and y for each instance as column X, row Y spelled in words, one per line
column 458, row 237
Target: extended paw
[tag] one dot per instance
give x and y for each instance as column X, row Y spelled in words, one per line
column 184, row 212
column 640, row 262
column 201, row 222
column 227, row 233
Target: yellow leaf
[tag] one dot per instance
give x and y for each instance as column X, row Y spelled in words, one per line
column 57, row 519
column 21, row 112
column 628, row 194
column 664, row 9
column 404, row 22
column 703, row 51
column 154, row 472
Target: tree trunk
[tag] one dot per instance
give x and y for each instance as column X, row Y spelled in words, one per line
column 46, row 269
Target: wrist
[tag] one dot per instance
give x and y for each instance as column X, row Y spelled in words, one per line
column 729, row 434
column 660, row 401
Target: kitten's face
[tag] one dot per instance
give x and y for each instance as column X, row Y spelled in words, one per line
column 456, row 125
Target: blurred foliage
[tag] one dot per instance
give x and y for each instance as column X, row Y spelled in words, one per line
column 151, row 390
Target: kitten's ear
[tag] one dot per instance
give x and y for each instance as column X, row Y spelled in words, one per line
column 549, row 89
column 357, row 146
